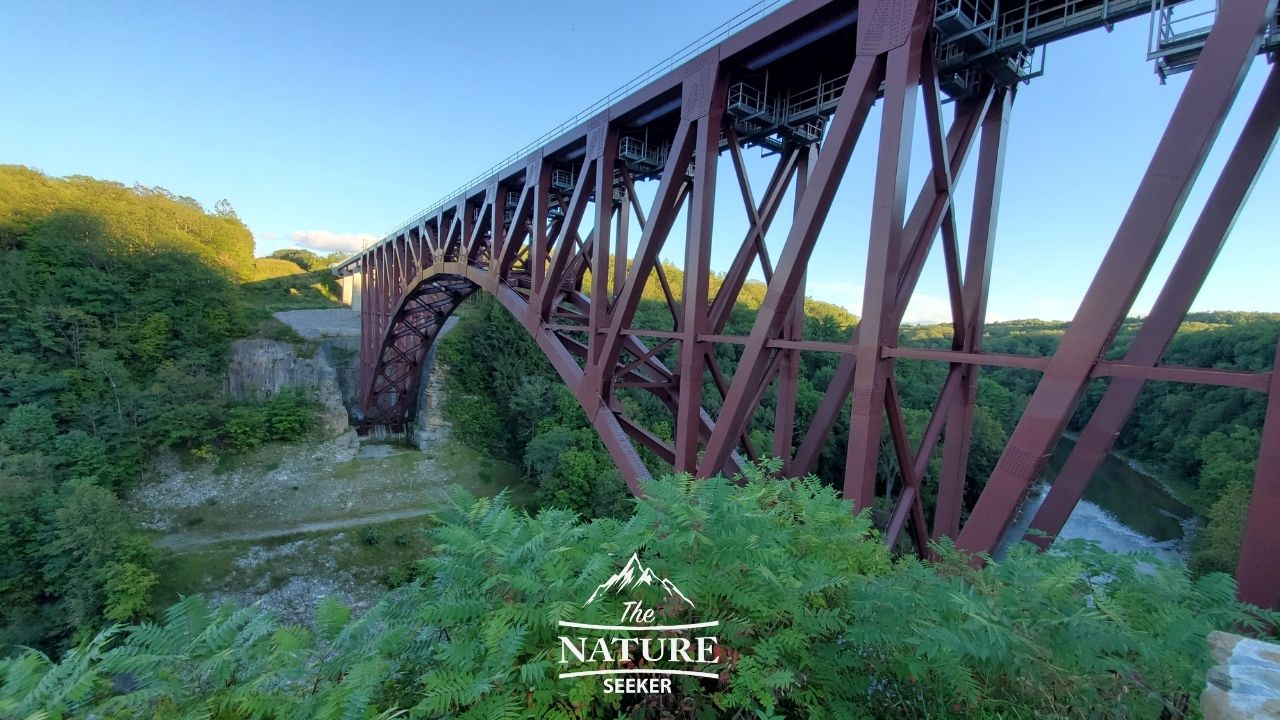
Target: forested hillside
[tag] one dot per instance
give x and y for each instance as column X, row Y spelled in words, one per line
column 138, row 218
column 116, row 308
column 1202, row 441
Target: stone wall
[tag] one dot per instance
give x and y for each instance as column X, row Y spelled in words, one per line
column 1246, row 681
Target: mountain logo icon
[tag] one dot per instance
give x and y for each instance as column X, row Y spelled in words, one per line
column 632, row 575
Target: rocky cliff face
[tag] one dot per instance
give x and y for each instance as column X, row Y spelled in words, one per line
column 430, row 427
column 261, row 368
column 343, row 355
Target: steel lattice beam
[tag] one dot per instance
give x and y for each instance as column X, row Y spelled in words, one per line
column 533, row 234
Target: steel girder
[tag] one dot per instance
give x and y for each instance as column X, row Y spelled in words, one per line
column 520, row 237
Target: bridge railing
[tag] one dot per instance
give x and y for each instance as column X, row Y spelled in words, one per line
column 747, row 16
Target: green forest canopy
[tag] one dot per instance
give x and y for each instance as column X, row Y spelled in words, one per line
column 138, row 218
column 117, row 307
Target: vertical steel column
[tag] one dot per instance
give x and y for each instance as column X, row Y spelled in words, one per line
column 850, row 115
column 465, row 225
column 602, row 143
column 926, row 217
column 496, row 230
column 977, row 279
column 1196, row 120
column 877, row 328
column 1203, row 244
column 1258, row 572
column 703, row 103
column 623, row 233
column 378, row 296
column 784, row 416
column 367, row 350
column 538, row 237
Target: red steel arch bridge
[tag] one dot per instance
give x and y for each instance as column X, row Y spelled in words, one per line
column 547, row 233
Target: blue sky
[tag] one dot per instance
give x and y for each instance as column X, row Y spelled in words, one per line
column 325, row 122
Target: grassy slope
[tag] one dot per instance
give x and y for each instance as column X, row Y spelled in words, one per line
column 272, row 289
column 366, row 485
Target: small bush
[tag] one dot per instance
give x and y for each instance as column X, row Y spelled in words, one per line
column 398, row 576
column 289, row 415
column 273, row 329
column 370, row 535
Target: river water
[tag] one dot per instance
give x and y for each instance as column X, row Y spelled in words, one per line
column 1123, row 510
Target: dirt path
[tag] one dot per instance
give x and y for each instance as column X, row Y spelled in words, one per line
column 316, row 324
column 184, row 541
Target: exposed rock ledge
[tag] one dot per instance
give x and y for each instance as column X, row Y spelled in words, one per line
column 261, row 368
column 1246, row 681
column 430, row 427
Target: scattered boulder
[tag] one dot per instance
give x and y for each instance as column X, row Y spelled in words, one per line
column 1245, row 684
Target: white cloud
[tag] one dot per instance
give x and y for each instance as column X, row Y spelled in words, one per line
column 923, row 308
column 329, row 240
column 927, row 310
column 846, row 295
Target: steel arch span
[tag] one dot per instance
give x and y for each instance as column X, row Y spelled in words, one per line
column 548, row 235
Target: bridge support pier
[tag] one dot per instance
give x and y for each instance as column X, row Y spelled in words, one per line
column 1210, row 92
column 1189, row 272
column 1258, row 572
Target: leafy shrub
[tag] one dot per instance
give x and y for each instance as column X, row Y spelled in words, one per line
column 817, row 622
column 475, row 419
column 370, row 535
column 400, row 575
column 288, row 415
column 274, row 329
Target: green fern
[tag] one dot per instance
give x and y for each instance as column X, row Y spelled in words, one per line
column 816, row 621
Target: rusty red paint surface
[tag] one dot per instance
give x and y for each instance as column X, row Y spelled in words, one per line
column 517, row 236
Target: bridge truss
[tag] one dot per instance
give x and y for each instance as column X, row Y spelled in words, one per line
column 548, row 236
